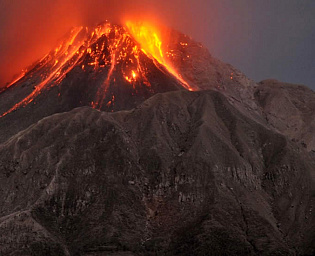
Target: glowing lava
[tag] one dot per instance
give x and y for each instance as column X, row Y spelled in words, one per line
column 107, row 49
column 14, row 81
column 150, row 39
column 66, row 52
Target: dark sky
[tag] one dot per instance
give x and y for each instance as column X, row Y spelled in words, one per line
column 262, row 38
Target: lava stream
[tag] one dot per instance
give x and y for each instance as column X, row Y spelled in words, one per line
column 150, row 40
column 54, row 73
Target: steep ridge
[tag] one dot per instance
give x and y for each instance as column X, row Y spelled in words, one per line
column 184, row 173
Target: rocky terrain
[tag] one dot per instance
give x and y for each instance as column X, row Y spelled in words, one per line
column 290, row 109
column 228, row 169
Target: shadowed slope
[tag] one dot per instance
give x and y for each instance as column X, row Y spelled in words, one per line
column 184, row 173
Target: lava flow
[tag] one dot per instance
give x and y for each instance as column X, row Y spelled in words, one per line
column 150, row 40
column 109, row 54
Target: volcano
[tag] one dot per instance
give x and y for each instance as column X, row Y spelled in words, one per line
column 133, row 140
column 106, row 56
column 118, row 69
column 120, row 72
column 112, row 67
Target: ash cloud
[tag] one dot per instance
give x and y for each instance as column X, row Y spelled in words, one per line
column 31, row 28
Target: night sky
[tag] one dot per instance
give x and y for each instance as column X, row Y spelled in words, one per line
column 262, row 38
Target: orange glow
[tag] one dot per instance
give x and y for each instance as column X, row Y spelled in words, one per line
column 132, row 78
column 150, row 39
column 55, row 72
column 128, row 79
column 67, row 54
column 15, row 81
column 119, row 53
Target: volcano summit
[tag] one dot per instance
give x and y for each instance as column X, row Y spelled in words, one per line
column 107, row 56
column 133, row 140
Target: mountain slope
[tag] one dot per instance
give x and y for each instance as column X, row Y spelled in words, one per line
column 290, row 109
column 185, row 173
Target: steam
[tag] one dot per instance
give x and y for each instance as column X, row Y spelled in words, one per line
column 31, row 28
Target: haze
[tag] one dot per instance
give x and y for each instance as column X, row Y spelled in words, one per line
column 264, row 39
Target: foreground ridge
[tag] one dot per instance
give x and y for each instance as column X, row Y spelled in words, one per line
column 193, row 177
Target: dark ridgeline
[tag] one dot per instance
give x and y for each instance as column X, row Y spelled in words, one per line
column 227, row 169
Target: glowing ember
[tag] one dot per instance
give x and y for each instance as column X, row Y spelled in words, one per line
column 134, row 75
